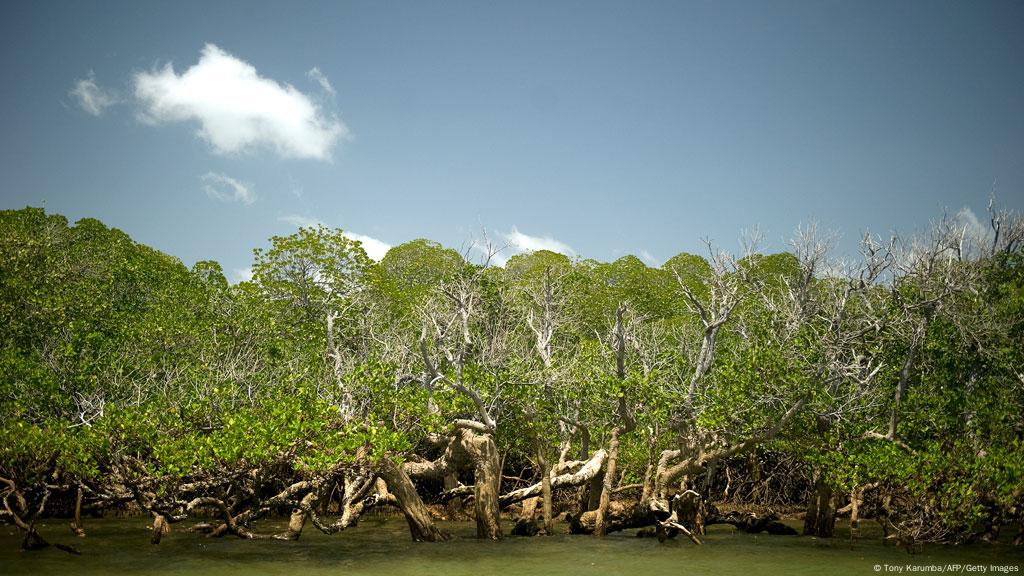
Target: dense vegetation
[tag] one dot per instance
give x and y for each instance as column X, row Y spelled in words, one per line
column 622, row 395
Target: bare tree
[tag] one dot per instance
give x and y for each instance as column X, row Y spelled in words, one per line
column 450, row 341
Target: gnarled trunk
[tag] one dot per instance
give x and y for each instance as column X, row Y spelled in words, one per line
column 690, row 511
column 600, row 520
column 487, row 482
column 297, row 519
column 421, row 525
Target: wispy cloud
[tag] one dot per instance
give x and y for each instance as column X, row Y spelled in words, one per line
column 301, row 221
column 975, row 227
column 91, row 97
column 226, row 189
column 648, row 258
column 317, row 76
column 241, row 275
column 237, row 109
column 978, row 234
column 374, row 248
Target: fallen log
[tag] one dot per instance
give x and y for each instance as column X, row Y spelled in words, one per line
column 620, row 516
column 753, row 524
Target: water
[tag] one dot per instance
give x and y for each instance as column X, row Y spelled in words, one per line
column 381, row 546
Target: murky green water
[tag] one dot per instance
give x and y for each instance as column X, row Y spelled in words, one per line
column 382, row 547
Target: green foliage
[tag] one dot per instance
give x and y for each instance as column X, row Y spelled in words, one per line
column 117, row 360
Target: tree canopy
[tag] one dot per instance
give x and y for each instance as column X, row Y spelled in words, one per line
column 132, row 381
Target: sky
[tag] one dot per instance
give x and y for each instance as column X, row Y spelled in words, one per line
column 597, row 129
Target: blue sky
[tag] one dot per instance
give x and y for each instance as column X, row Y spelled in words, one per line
column 596, row 128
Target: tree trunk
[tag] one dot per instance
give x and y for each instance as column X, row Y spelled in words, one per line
column 526, row 525
column 821, row 509
column 1019, row 539
column 648, row 473
column 600, row 523
column 76, row 522
column 486, row 483
column 297, row 519
column 546, row 508
column 454, row 506
column 856, row 498
column 421, row 525
column 160, row 527
column 591, row 497
column 856, row 501
column 690, row 511
column 621, row 515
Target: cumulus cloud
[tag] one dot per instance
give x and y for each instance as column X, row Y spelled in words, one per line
column 374, row 248
column 317, row 76
column 237, row 109
column 520, row 242
column 91, row 97
column 226, row 189
column 516, row 242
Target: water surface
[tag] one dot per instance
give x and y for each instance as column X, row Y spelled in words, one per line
column 381, row 546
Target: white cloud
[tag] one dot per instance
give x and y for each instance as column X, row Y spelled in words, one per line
column 301, row 221
column 648, row 258
column 374, row 248
column 317, row 76
column 91, row 97
column 226, row 189
column 520, row 242
column 498, row 259
column 976, row 230
column 515, row 242
column 237, row 109
column 978, row 233
column 241, row 274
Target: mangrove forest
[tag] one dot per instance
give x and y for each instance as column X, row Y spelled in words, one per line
column 779, row 393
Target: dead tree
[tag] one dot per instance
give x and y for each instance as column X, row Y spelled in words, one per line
column 926, row 273
column 451, row 331
column 835, row 305
column 727, row 285
column 626, row 421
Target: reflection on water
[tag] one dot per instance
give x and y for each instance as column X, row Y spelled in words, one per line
column 382, row 547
